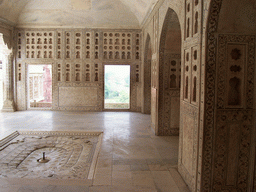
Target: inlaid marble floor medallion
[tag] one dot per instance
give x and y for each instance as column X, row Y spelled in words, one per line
column 67, row 155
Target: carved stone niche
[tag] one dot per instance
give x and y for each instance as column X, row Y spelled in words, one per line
column 236, row 68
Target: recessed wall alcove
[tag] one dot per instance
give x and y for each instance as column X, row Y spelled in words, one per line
column 169, row 75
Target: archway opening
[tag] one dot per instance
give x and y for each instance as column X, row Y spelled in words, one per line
column 169, row 76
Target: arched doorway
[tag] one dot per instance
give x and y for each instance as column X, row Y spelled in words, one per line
column 147, row 77
column 229, row 131
column 169, row 75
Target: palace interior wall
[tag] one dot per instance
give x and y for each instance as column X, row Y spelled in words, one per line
column 192, row 68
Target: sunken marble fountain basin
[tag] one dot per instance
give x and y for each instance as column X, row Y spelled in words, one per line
column 49, row 154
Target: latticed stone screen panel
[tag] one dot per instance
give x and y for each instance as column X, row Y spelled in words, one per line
column 117, row 45
column 77, row 57
column 39, row 45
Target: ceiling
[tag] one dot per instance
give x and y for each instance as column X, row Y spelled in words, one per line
column 76, row 13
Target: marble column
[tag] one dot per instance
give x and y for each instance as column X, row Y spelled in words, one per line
column 8, row 105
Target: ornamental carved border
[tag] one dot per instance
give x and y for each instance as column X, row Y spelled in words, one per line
column 225, row 118
column 90, row 109
column 61, row 133
column 161, row 76
column 223, row 40
column 209, row 95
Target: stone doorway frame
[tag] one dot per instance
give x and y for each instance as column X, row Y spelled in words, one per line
column 27, row 86
column 130, row 96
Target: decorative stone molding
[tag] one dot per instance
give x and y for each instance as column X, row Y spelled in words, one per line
column 210, row 76
column 61, row 133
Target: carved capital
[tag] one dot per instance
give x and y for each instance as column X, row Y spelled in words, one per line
column 7, row 41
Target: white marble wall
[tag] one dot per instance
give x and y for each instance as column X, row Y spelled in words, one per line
column 78, row 57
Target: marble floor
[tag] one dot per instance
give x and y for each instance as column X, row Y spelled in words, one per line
column 131, row 159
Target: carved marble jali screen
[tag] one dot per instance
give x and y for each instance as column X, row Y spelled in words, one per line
column 70, row 155
column 77, row 57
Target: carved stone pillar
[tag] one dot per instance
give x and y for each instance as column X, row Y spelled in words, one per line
column 8, row 105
